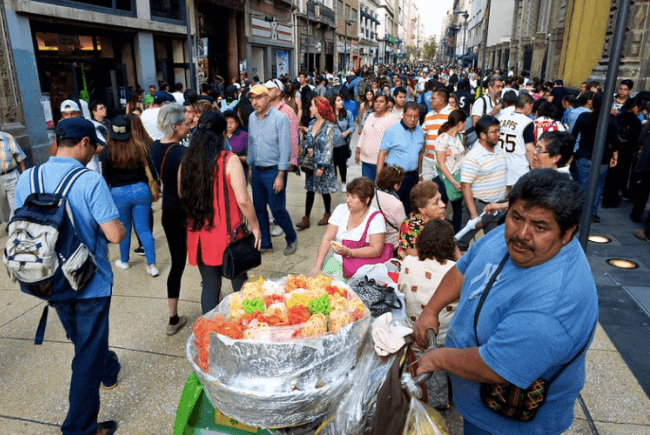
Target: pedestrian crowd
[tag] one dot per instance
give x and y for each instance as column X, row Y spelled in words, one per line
column 440, row 147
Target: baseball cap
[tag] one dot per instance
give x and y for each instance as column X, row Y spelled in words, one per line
column 274, row 83
column 321, row 78
column 162, row 97
column 69, row 106
column 120, row 128
column 258, row 90
column 76, row 129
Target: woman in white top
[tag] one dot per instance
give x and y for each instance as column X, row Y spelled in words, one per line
column 450, row 153
column 348, row 222
column 386, row 200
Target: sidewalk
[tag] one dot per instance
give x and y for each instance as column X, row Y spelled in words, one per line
column 35, row 379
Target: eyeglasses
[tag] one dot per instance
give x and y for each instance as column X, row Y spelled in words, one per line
column 494, row 131
column 539, row 149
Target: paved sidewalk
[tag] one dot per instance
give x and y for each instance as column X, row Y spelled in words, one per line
column 34, row 379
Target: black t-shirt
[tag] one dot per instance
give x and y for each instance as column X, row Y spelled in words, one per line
column 169, row 173
column 465, row 101
column 587, row 131
column 118, row 177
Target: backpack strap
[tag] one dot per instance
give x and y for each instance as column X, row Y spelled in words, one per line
column 36, row 179
column 68, row 180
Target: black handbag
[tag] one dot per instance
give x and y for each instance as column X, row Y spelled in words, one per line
column 507, row 399
column 240, row 255
column 307, row 163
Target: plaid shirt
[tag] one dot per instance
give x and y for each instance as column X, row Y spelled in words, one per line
column 11, row 153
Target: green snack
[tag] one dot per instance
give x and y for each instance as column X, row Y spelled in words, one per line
column 250, row 306
column 320, row 305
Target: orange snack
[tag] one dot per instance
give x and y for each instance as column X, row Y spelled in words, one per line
column 332, row 290
column 247, row 319
column 294, row 282
column 298, row 314
column 270, row 300
column 202, row 328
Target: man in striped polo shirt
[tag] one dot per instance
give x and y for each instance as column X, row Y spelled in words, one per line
column 439, row 114
column 483, row 176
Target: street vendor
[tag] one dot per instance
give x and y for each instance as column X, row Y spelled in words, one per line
column 536, row 318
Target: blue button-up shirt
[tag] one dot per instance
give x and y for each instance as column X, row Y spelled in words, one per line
column 403, row 146
column 269, row 140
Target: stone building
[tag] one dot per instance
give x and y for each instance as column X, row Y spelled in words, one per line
column 347, row 33
column 316, row 22
column 368, row 29
column 387, row 30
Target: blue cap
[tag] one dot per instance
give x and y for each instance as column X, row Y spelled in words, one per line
column 76, row 129
column 162, row 97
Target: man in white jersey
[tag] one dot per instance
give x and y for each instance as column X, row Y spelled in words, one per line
column 517, row 139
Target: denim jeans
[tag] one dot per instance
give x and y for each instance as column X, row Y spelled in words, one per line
column 86, row 324
column 580, row 172
column 404, row 191
column 263, row 195
column 369, row 170
column 133, row 201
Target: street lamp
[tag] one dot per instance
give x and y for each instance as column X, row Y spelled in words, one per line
column 465, row 15
column 347, row 23
column 315, row 3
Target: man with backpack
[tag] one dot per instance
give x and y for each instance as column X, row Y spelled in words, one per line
column 85, row 315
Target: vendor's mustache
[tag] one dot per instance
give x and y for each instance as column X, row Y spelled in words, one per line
column 515, row 239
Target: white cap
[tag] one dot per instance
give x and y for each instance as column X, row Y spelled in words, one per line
column 274, row 84
column 69, row 106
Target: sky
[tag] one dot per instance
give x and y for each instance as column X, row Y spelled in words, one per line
column 431, row 13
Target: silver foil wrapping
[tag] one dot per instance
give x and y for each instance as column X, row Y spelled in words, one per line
column 267, row 384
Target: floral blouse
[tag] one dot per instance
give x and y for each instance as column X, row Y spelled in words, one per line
column 408, row 233
column 454, row 150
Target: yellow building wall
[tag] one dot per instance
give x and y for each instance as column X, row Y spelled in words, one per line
column 583, row 42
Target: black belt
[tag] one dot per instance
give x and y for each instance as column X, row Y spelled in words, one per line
column 266, row 168
column 8, row 171
column 409, row 173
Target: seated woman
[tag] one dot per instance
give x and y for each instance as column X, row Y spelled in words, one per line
column 386, row 200
column 348, row 222
column 427, row 205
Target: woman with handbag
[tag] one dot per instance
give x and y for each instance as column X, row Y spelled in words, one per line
column 386, row 200
column 124, row 163
column 321, row 135
column 345, row 122
column 349, row 223
column 209, row 210
column 450, row 153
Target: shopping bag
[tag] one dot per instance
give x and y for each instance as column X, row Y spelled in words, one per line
column 424, row 420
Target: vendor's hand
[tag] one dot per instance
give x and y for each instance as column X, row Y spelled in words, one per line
column 319, row 173
column 425, row 322
column 427, row 362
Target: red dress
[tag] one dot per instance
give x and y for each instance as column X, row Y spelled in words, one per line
column 215, row 240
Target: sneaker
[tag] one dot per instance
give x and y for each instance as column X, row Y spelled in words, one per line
column 640, row 234
column 111, row 383
column 343, row 188
column 277, row 231
column 173, row 329
column 121, row 264
column 139, row 251
column 153, row 270
column 291, row 248
column 106, row 427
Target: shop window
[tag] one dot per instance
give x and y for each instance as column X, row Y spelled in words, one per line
column 119, row 7
column 166, row 9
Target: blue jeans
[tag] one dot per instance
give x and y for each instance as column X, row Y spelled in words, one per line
column 86, row 324
column 369, row 170
column 263, row 195
column 134, row 204
column 580, row 172
column 470, row 429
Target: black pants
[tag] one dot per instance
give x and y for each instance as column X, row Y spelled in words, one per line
column 457, row 218
column 641, row 194
column 404, row 192
column 309, row 202
column 173, row 223
column 341, row 155
column 211, row 283
column 617, row 179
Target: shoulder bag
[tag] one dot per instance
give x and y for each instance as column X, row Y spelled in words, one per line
column 152, row 181
column 240, row 255
column 352, row 264
column 507, row 399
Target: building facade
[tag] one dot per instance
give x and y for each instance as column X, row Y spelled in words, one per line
column 368, row 30
column 316, row 22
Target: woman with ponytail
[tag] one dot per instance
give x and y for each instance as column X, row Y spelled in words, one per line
column 201, row 188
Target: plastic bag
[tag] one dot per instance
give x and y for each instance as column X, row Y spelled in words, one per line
column 424, row 420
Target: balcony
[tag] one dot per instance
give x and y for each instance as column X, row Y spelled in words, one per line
column 321, row 14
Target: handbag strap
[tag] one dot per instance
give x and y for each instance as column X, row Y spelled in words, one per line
column 162, row 166
column 365, row 232
column 225, row 196
column 482, row 300
column 377, row 190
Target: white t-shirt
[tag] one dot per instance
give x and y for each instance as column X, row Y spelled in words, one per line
column 340, row 218
column 477, row 108
column 149, row 119
column 178, row 96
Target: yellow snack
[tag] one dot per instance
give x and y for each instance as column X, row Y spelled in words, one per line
column 338, row 319
column 235, row 301
column 253, row 290
column 338, row 302
column 298, row 299
column 356, row 303
column 234, row 315
column 315, row 326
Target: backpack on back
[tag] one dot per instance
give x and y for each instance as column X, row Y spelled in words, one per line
column 43, row 252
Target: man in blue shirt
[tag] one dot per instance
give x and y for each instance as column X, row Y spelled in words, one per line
column 85, row 318
column 537, row 318
column 401, row 146
column 269, row 152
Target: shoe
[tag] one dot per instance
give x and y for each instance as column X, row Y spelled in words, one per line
column 303, row 224
column 277, row 231
column 109, row 387
column 324, row 220
column 640, row 234
column 106, row 427
column 291, row 248
column 266, row 250
column 173, row 329
column 139, row 251
column 153, row 270
column 112, row 384
column 595, row 218
column 343, row 188
column 122, row 265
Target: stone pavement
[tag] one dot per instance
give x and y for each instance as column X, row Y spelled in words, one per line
column 34, row 379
